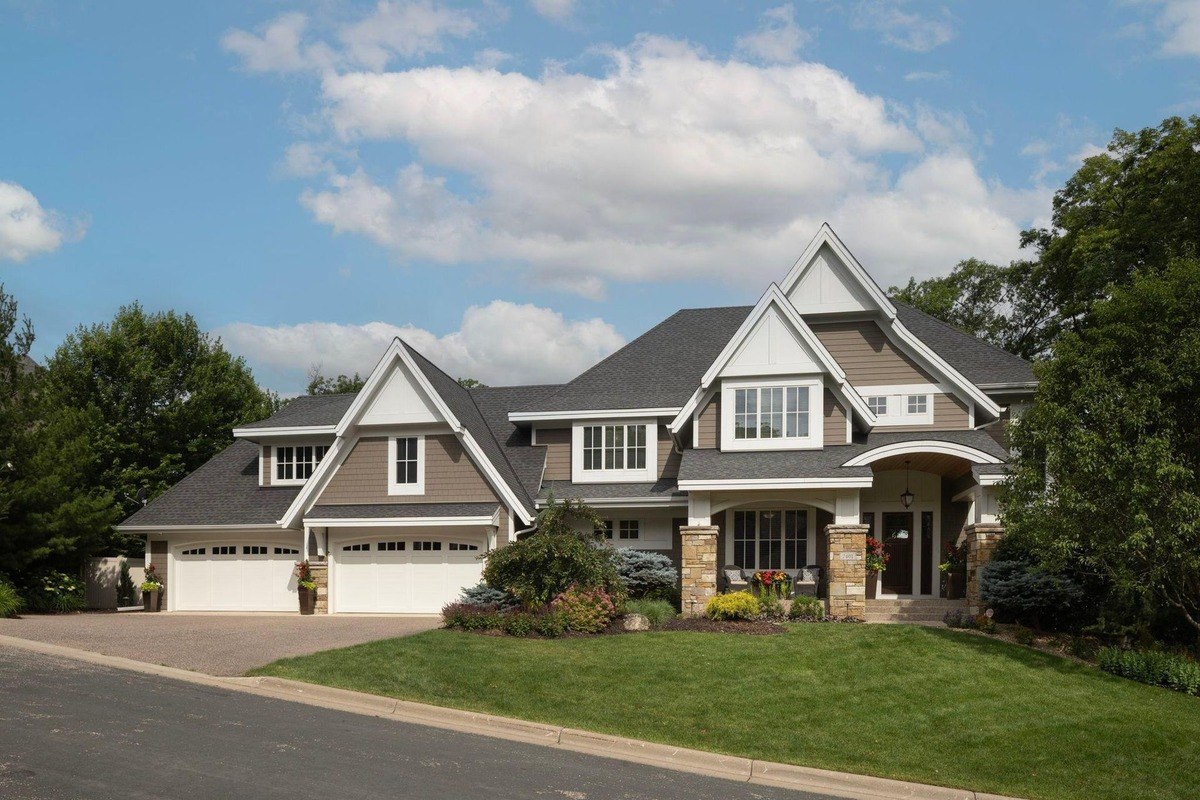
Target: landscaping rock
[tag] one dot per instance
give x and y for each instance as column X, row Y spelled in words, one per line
column 637, row 622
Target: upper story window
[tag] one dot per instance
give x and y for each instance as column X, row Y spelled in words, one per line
column 771, row 414
column 614, row 452
column 297, row 463
column 614, row 447
column 901, row 405
column 406, row 465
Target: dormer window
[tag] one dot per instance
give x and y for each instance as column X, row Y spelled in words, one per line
column 771, row 414
column 614, row 451
column 294, row 464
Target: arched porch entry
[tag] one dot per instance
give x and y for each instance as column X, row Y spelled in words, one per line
column 923, row 497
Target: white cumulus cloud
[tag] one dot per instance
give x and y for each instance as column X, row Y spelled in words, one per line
column 27, row 229
column 1180, row 22
column 500, row 344
column 669, row 164
column 555, row 10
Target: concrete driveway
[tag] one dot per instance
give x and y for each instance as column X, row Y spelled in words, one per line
column 218, row 644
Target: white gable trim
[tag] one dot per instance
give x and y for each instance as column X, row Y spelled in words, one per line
column 918, row 447
column 325, row 470
column 774, row 298
column 826, row 236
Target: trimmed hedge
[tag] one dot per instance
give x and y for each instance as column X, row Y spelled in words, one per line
column 1154, row 667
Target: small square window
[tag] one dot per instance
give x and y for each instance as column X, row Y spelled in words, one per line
column 390, row 546
column 605, row 529
column 918, row 404
column 629, row 529
column 254, row 550
column 878, row 404
column 286, row 551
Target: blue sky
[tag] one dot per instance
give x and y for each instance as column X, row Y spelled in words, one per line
column 519, row 187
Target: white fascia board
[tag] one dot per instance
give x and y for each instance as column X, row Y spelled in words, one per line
column 260, row 526
column 992, row 480
column 610, row 413
column 863, row 482
column 1009, row 388
column 685, row 414
column 826, row 235
column 397, row 522
column 939, row 364
column 279, row 433
column 922, row 446
column 628, row 502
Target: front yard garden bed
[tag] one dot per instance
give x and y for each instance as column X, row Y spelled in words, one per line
column 912, row 703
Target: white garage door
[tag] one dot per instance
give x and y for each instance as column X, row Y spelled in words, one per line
column 234, row 576
column 416, row 575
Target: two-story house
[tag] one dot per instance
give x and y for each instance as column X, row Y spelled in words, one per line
column 772, row 436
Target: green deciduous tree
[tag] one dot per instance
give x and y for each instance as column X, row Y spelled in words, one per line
column 156, row 395
column 1116, row 428
column 342, row 384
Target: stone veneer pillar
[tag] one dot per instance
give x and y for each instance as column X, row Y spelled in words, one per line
column 320, row 574
column 982, row 538
column 698, row 567
column 846, row 571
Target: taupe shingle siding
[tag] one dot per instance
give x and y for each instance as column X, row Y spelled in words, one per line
column 557, row 442
column 835, row 420
column 709, row 424
column 866, row 355
column 450, row 476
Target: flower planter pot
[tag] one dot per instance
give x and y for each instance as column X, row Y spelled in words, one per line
column 308, row 600
column 872, row 584
column 954, row 586
column 152, row 601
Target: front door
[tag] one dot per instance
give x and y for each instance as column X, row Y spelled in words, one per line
column 898, row 543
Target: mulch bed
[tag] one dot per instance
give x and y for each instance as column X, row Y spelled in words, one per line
column 713, row 626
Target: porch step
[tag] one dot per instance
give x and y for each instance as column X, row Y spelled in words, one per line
column 914, row 610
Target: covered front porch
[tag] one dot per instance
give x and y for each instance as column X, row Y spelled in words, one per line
column 915, row 498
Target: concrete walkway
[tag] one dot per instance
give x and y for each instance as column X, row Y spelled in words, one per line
column 215, row 644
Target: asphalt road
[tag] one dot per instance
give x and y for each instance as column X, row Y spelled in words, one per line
column 74, row 730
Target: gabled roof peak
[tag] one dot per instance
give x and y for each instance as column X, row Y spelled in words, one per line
column 817, row 285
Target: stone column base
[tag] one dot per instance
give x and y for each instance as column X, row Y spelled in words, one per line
column 320, row 574
column 982, row 538
column 698, row 567
column 846, row 571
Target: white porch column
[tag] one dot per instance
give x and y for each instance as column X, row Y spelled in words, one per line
column 846, row 507
column 699, row 508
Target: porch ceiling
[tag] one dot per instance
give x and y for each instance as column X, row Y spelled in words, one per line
column 936, row 463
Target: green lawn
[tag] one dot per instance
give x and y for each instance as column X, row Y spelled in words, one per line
column 921, row 704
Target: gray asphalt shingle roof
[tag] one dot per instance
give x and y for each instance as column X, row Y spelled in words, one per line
column 566, row 490
column 308, row 410
column 659, row 369
column 494, row 402
column 760, row 464
column 401, row 510
column 224, row 491
column 979, row 362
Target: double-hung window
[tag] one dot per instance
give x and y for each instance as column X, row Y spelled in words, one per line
column 616, row 452
column 777, row 415
column 296, row 463
column 770, row 539
column 406, row 465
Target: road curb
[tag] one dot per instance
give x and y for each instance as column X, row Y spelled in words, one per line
column 702, row 762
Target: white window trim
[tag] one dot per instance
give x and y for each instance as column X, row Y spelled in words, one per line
column 647, row 475
column 816, row 414
column 276, row 480
column 395, row 488
column 897, row 396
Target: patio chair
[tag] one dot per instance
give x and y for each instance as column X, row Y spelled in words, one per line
column 733, row 578
column 806, row 580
